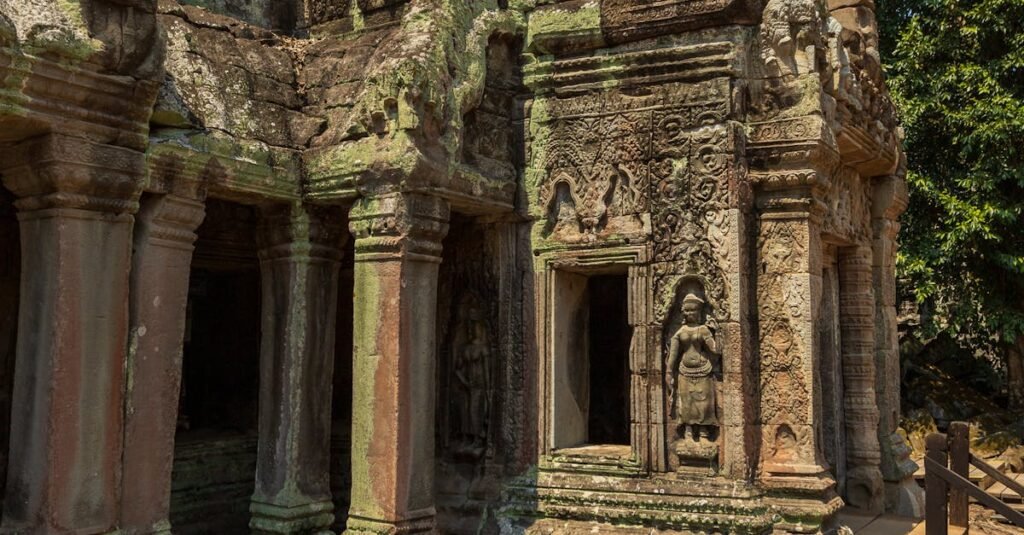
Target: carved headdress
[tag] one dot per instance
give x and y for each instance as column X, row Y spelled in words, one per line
column 691, row 298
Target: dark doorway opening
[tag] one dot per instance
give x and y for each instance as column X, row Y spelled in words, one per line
column 10, row 284
column 341, row 402
column 830, row 370
column 215, row 447
column 220, row 369
column 609, row 335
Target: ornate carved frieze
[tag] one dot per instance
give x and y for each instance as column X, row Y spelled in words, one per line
column 848, row 202
column 615, row 161
column 865, row 116
column 784, row 310
column 806, row 128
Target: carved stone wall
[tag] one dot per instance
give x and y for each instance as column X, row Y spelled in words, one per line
column 732, row 165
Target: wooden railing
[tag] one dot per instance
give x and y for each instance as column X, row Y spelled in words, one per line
column 948, row 487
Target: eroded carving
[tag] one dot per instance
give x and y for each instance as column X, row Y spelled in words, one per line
column 668, row 153
column 690, row 364
column 790, row 36
column 471, row 379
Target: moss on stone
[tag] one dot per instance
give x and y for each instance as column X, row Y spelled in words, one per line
column 559, row 20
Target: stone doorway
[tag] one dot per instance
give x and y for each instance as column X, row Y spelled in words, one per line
column 215, row 444
column 590, row 368
column 609, row 336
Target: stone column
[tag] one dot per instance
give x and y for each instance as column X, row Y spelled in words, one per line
column 857, row 323
column 75, row 204
column 300, row 254
column 789, row 286
column 161, row 263
column 902, row 494
column 398, row 250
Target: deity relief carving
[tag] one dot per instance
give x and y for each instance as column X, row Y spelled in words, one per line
column 692, row 388
column 470, row 380
column 693, row 357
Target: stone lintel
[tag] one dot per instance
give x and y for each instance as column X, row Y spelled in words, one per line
column 229, row 169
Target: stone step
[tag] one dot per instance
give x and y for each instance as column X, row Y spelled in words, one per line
column 606, row 501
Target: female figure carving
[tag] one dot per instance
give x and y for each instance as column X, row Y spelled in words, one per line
column 472, row 356
column 692, row 385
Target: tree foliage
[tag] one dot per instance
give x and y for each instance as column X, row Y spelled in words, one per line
column 955, row 69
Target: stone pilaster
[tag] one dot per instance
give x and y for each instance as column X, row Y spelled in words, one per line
column 902, row 494
column 789, row 287
column 398, row 250
column 300, row 254
column 76, row 201
column 161, row 263
column 856, row 318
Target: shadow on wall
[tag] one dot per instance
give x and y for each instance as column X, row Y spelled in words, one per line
column 10, row 270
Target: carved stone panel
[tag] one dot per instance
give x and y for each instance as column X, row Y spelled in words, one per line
column 611, row 164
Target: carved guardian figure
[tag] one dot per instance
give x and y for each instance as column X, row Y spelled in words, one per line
column 690, row 364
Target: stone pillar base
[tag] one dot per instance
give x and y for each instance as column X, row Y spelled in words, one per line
column 423, row 523
column 306, row 518
column 804, row 497
column 905, row 498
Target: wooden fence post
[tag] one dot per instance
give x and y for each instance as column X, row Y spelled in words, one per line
column 935, row 487
column 959, row 463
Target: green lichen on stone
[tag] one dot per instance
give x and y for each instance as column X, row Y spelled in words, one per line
column 368, row 299
column 560, row 21
column 232, row 163
column 54, row 27
column 434, row 73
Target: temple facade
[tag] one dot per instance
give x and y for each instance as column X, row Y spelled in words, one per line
column 447, row 266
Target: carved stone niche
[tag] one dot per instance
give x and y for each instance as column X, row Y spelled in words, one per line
column 692, row 345
column 469, row 379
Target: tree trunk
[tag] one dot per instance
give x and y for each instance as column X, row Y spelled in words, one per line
column 1015, row 373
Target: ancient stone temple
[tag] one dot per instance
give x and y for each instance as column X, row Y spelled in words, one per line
column 447, row 266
